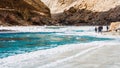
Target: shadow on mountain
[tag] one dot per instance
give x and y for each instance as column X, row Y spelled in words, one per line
column 87, row 17
column 24, row 12
column 20, row 12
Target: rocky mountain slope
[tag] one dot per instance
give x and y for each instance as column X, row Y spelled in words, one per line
column 58, row 6
column 90, row 12
column 63, row 12
column 24, row 12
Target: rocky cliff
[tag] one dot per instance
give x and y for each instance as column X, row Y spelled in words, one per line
column 58, row 6
column 88, row 12
column 63, row 12
column 24, row 12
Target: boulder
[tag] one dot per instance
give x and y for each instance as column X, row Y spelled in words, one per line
column 114, row 26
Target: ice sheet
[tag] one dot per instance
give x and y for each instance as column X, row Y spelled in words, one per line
column 51, row 58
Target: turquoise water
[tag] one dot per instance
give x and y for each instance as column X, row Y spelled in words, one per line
column 19, row 43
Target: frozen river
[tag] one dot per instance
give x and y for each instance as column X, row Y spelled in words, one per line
column 57, row 47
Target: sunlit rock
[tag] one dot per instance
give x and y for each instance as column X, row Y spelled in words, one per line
column 114, row 26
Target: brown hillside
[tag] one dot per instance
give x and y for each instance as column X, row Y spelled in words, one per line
column 87, row 17
column 23, row 12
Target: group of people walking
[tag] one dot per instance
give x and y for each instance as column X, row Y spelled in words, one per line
column 99, row 29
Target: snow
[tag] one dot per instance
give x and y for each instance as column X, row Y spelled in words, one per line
column 67, row 56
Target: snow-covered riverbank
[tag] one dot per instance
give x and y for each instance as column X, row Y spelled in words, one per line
column 96, row 54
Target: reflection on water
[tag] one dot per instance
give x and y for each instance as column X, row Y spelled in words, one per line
column 18, row 43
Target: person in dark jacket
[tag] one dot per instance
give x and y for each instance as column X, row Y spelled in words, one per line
column 100, row 28
column 96, row 29
column 107, row 28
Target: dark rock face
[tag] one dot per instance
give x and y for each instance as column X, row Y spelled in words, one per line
column 21, row 12
column 86, row 17
column 34, row 12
